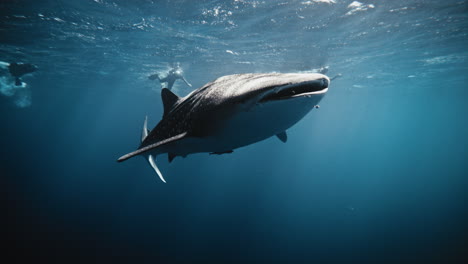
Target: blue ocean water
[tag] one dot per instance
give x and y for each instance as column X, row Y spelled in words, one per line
column 378, row 174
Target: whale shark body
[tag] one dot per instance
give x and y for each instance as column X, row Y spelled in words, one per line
column 231, row 112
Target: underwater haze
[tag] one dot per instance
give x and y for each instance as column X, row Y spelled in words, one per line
column 377, row 174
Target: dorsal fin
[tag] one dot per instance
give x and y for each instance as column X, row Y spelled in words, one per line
column 169, row 99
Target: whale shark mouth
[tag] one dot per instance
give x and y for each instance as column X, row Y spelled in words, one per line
column 289, row 91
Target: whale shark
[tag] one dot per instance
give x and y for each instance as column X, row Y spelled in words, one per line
column 230, row 112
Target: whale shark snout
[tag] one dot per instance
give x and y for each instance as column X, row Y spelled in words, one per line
column 304, row 88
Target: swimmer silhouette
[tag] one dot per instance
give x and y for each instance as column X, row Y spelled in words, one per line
column 19, row 69
column 170, row 78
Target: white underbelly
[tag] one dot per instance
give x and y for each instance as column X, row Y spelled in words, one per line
column 248, row 126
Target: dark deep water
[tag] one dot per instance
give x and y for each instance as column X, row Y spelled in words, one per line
column 378, row 174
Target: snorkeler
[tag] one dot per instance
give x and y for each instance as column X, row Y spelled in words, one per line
column 170, row 78
column 12, row 86
column 19, row 69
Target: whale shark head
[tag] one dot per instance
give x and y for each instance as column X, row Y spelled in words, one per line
column 252, row 107
column 292, row 86
column 262, row 88
column 262, row 100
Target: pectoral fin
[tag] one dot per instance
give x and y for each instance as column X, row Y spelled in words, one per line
column 170, row 157
column 282, row 136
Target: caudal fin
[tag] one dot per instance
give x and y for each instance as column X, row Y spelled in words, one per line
column 144, row 134
column 152, row 146
column 152, row 162
column 127, row 156
column 144, row 150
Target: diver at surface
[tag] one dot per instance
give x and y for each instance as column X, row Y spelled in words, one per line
column 18, row 69
column 170, row 77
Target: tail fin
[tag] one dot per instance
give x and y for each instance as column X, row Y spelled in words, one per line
column 144, row 134
column 151, row 159
column 145, row 131
column 152, row 146
column 152, row 162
